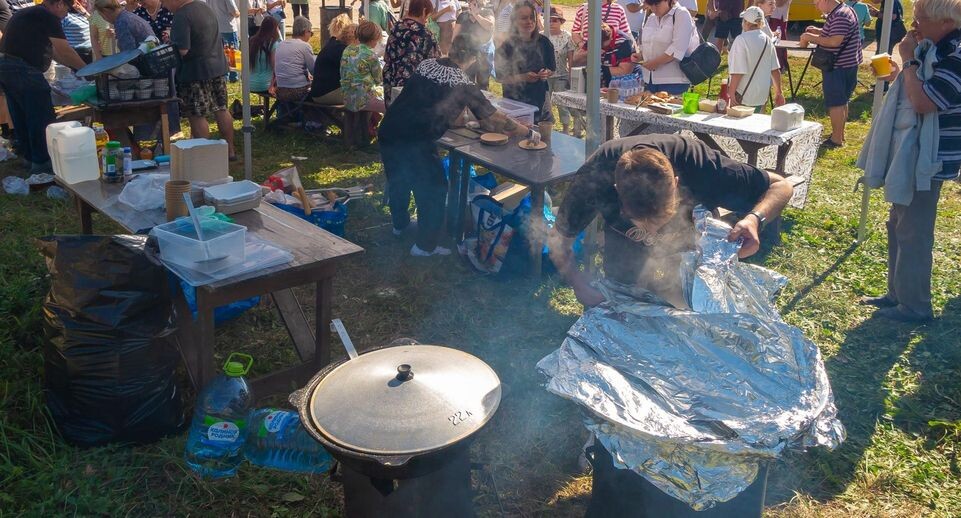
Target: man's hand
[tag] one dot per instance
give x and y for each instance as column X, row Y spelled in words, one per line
column 895, row 70
column 587, row 294
column 908, row 45
column 779, row 99
column 532, row 77
column 747, row 230
column 544, row 73
column 650, row 65
column 712, row 15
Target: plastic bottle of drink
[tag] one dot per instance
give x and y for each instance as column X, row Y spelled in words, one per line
column 276, row 439
column 113, row 163
column 102, row 138
column 127, row 163
column 217, row 433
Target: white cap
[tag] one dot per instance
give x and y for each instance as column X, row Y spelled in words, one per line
column 753, row 14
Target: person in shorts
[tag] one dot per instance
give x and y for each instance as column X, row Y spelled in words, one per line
column 200, row 75
column 727, row 20
column 840, row 35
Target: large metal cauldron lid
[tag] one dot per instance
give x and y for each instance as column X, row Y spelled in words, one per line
column 109, row 63
column 405, row 400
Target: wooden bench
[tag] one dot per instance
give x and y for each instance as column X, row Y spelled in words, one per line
column 353, row 126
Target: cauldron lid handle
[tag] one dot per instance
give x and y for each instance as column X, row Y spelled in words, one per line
column 296, row 398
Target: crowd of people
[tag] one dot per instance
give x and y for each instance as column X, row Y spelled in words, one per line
column 421, row 63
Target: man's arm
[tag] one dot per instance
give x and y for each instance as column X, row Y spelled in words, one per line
column 562, row 255
column 771, row 204
column 64, row 54
column 912, row 84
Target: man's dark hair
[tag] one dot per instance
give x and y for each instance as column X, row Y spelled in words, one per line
column 645, row 184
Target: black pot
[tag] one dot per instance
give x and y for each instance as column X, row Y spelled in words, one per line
column 431, row 401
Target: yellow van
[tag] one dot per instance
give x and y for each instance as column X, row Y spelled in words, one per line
column 801, row 10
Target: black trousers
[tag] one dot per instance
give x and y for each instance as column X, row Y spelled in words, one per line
column 415, row 167
column 28, row 99
column 301, row 10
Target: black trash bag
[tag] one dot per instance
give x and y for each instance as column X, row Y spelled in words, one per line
column 109, row 361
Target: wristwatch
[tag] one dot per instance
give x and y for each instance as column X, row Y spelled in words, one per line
column 760, row 217
column 912, row 62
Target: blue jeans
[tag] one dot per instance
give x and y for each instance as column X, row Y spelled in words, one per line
column 28, row 99
column 230, row 38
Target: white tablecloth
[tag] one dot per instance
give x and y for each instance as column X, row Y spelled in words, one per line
column 805, row 140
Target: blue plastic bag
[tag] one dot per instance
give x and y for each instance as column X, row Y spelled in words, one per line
column 223, row 313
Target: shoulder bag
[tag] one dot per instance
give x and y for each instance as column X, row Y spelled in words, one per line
column 703, row 63
column 823, row 59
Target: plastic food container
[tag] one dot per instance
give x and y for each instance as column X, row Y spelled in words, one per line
column 787, row 117
column 223, row 245
column 520, row 112
column 230, row 198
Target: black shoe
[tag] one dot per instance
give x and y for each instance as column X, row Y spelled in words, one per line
column 902, row 314
column 882, row 302
column 830, row 144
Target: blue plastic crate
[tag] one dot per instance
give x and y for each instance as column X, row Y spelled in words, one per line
column 330, row 220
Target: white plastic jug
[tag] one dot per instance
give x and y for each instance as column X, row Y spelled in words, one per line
column 52, row 130
column 76, row 151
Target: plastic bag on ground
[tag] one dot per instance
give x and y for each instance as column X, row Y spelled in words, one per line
column 109, row 363
column 16, row 185
column 144, row 191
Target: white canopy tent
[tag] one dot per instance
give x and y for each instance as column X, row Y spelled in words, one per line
column 875, row 108
column 592, row 142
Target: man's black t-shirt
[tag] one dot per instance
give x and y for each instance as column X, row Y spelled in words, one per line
column 28, row 36
column 705, row 177
column 431, row 100
column 5, row 15
column 327, row 68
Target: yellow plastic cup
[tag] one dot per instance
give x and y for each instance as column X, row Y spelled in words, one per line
column 881, row 64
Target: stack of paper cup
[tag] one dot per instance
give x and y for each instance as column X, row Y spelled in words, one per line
column 174, row 197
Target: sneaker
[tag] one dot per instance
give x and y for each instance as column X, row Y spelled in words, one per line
column 412, row 225
column 438, row 250
column 881, row 302
column 830, row 144
column 902, row 314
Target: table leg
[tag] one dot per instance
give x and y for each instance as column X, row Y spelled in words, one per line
column 453, row 194
column 608, row 128
column 85, row 212
column 292, row 315
column 538, row 230
column 165, row 128
column 800, row 78
column 187, row 336
column 790, row 83
column 751, row 149
column 322, row 316
column 204, row 340
column 782, row 152
column 637, row 131
column 463, row 178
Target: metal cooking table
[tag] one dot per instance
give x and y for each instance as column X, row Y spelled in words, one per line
column 536, row 169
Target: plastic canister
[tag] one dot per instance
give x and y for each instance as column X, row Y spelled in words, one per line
column 52, row 130
column 75, row 150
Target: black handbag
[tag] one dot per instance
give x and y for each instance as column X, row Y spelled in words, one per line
column 824, row 59
column 703, row 63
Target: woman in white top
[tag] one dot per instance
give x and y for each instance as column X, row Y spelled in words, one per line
column 668, row 36
column 779, row 21
column 753, row 63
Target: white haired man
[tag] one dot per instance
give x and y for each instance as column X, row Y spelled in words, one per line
column 911, row 227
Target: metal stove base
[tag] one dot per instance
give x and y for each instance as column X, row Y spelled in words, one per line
column 445, row 492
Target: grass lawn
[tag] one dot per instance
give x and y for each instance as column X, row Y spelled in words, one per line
column 898, row 387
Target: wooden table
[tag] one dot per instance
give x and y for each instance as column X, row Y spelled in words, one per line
column 537, row 169
column 795, row 151
column 130, row 113
column 789, row 45
column 316, row 252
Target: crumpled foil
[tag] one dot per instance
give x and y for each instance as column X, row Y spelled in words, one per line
column 694, row 399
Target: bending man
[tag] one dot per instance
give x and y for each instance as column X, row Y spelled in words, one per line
column 645, row 188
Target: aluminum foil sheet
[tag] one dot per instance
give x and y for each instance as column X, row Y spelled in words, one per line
column 693, row 399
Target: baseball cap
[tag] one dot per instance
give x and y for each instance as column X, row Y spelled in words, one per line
column 753, row 14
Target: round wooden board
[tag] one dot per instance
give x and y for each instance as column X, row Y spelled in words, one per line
column 525, row 144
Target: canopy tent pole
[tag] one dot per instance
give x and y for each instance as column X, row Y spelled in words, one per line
column 875, row 108
column 547, row 18
column 247, row 128
column 593, row 86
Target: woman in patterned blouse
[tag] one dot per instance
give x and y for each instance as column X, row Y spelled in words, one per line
column 360, row 73
column 409, row 43
column 160, row 18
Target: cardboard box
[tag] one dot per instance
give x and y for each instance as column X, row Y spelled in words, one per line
column 198, row 159
column 510, row 195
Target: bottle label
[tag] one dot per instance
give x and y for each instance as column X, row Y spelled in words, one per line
column 223, row 432
column 276, row 421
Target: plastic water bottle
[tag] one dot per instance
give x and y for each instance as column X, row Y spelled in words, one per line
column 217, row 433
column 276, row 439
